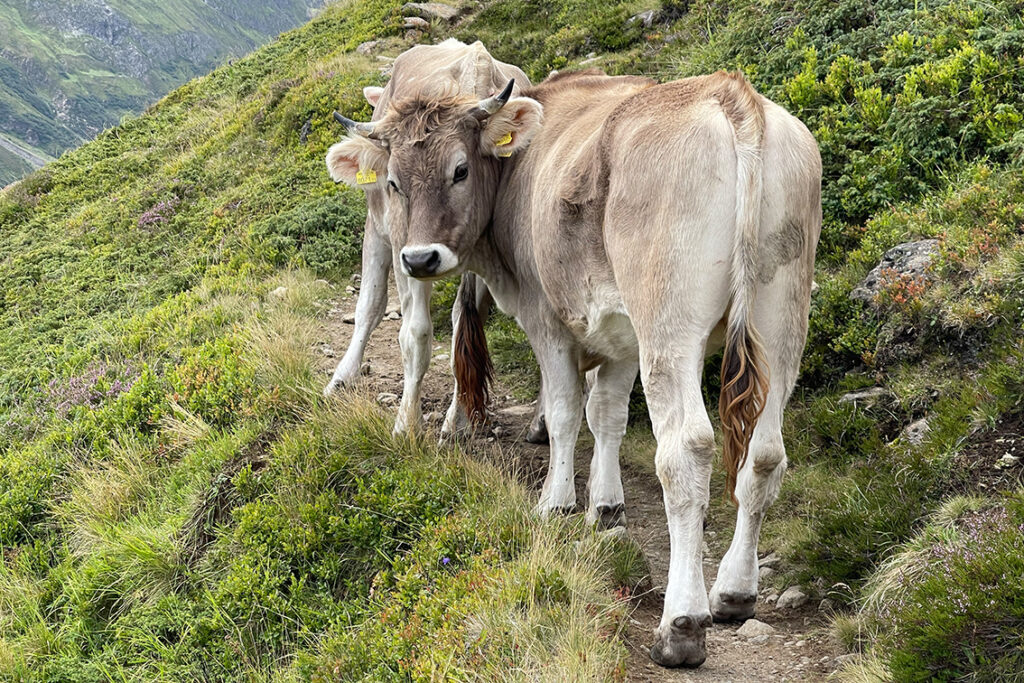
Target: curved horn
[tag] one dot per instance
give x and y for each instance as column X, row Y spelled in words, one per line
column 494, row 104
column 364, row 129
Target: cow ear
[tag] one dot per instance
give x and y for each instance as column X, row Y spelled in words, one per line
column 358, row 161
column 511, row 128
column 372, row 94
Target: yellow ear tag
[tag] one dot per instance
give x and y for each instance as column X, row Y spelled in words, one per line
column 506, row 139
column 366, row 177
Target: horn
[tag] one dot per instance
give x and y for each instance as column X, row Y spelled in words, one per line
column 492, row 105
column 364, row 129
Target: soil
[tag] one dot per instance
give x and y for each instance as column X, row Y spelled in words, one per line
column 799, row 649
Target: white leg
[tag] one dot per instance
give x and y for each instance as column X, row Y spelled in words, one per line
column 686, row 444
column 370, row 306
column 607, row 414
column 414, row 340
column 783, row 329
column 564, row 410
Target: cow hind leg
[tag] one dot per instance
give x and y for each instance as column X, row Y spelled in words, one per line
column 686, row 444
column 607, row 414
column 780, row 318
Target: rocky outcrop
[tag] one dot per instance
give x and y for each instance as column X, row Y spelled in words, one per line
column 910, row 259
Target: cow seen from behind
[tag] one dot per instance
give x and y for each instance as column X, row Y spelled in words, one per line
column 629, row 226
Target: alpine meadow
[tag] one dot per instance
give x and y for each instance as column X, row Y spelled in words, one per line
column 179, row 501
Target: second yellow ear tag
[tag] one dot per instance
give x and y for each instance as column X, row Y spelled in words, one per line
column 505, row 139
column 366, row 177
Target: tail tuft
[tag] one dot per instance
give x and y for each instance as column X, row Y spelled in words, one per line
column 472, row 363
column 744, row 389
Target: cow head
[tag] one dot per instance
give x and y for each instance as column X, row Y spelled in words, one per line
column 439, row 163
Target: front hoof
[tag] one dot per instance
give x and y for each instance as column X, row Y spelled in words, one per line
column 732, row 606
column 548, row 511
column 538, row 432
column 608, row 516
column 682, row 643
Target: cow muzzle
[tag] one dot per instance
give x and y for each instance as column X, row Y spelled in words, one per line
column 429, row 261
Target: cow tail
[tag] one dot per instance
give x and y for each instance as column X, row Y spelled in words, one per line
column 472, row 361
column 744, row 369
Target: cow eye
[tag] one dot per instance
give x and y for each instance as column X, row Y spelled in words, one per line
column 394, row 187
column 461, row 171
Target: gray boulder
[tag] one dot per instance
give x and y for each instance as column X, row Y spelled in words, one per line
column 912, row 259
column 430, row 11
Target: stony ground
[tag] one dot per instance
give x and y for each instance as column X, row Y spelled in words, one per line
column 794, row 646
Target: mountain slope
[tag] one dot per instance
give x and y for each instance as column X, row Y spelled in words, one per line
column 69, row 70
column 177, row 503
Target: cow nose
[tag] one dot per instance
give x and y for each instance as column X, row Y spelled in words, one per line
column 421, row 262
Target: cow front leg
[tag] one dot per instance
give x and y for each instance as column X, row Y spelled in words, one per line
column 563, row 407
column 607, row 415
column 686, row 444
column 414, row 339
column 370, row 306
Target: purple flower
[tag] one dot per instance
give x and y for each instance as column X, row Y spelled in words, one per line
column 445, row 560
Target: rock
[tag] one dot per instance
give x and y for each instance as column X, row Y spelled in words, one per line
column 765, row 573
column 865, row 396
column 518, row 411
column 327, row 351
column 646, row 18
column 753, row 627
column 386, row 399
column 391, row 309
column 394, row 315
column 498, row 432
column 442, row 358
column 279, row 292
column 349, row 289
column 758, row 640
column 910, row 259
column 827, row 605
column 432, row 417
column 356, row 277
column 349, row 319
column 771, row 599
column 589, row 60
column 365, row 369
column 369, row 47
column 792, row 598
column 769, row 560
column 430, row 11
column 321, row 283
column 1007, row 461
column 915, row 432
column 416, row 24
column 814, row 288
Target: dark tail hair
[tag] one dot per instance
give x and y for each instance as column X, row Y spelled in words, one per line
column 744, row 370
column 472, row 363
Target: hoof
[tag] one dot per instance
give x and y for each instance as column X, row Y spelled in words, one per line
column 610, row 516
column 732, row 606
column 538, row 432
column 555, row 511
column 681, row 644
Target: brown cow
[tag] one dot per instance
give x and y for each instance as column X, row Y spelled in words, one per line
column 641, row 225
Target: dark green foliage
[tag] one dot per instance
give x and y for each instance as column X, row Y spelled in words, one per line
column 324, row 234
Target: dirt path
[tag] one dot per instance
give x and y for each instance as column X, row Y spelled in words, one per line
column 798, row 650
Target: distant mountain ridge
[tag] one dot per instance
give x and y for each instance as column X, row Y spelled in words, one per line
column 71, row 69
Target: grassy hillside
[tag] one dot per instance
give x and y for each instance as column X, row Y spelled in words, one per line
column 176, row 502
column 69, row 70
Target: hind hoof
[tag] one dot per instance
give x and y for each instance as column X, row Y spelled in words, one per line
column 732, row 606
column 682, row 643
column 609, row 516
column 538, row 433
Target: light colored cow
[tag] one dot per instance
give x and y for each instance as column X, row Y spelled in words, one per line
column 446, row 69
column 641, row 226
